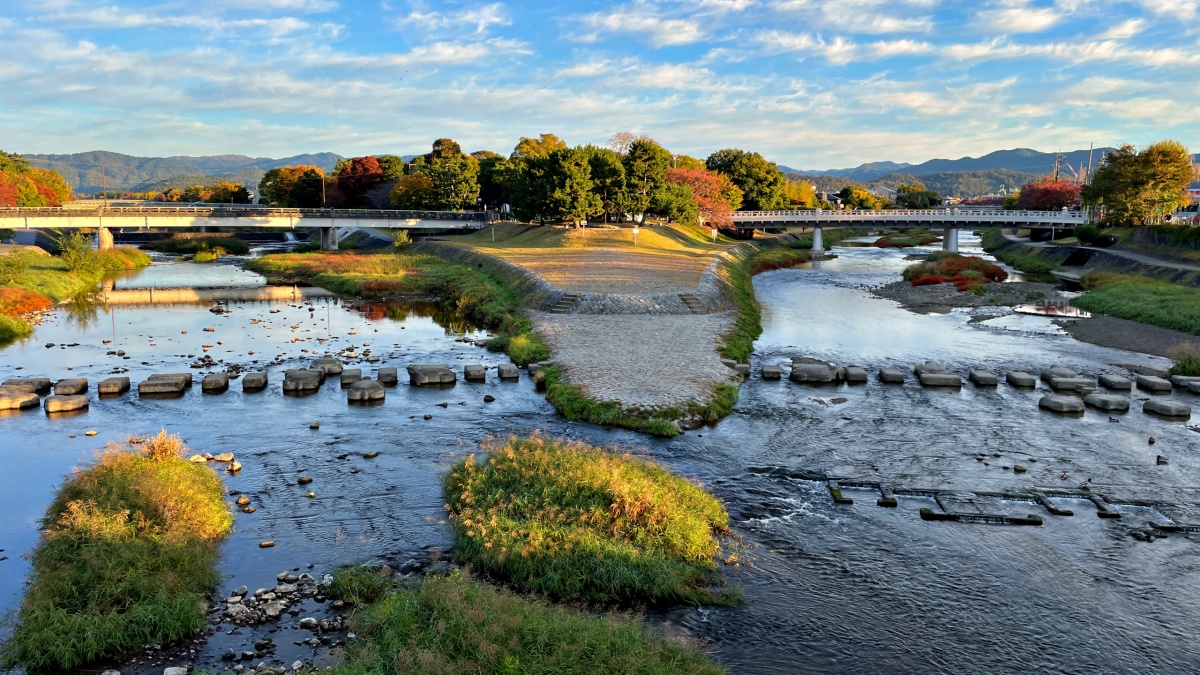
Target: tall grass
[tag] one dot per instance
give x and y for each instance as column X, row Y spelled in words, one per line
column 231, row 245
column 448, row 625
column 576, row 522
column 12, row 329
column 1144, row 300
column 128, row 553
column 1187, row 360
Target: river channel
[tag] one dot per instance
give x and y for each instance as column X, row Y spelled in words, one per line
column 831, row 588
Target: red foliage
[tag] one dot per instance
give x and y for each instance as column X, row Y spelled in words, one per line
column 1048, row 195
column 711, row 192
column 992, row 271
column 379, row 287
column 952, row 266
column 360, row 175
column 17, row 301
column 929, row 280
column 8, row 191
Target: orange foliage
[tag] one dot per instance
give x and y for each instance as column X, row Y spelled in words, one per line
column 17, row 301
column 715, row 195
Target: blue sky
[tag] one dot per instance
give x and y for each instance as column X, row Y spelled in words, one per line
column 809, row 83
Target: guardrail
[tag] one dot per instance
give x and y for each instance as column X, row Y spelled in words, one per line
column 242, row 212
column 932, row 214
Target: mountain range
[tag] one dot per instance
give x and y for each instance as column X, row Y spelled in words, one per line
column 125, row 172
column 1022, row 160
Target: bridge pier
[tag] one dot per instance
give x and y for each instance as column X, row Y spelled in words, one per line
column 818, row 247
column 329, row 240
column 950, row 240
column 104, row 238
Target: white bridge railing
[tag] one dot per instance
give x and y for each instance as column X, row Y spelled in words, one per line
column 934, row 216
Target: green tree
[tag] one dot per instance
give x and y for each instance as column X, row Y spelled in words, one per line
column 392, row 165
column 495, row 178
column 569, row 193
column 1138, row 187
column 412, row 192
column 677, row 202
column 763, row 185
column 608, row 178
column 916, row 196
column 646, row 165
column 453, row 175
column 307, row 190
column 76, row 252
column 857, row 198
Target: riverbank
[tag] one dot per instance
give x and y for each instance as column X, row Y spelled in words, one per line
column 943, row 298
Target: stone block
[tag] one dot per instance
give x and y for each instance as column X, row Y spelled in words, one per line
column 364, row 391
column 388, row 376
column 983, row 378
column 1168, row 408
column 113, row 386
column 1194, row 387
column 19, row 400
column 1183, row 381
column 298, row 381
column 1057, row 371
column 1061, row 404
column 327, row 365
column 256, row 381
column 1021, row 379
column 856, row 375
column 185, row 377
column 38, row 385
column 535, row 368
column 940, row 380
column 772, row 373
column 928, row 367
column 350, row 375
column 1154, row 384
column 814, row 373
column 1116, row 382
column 153, row 387
column 60, row 403
column 475, row 373
column 214, row 383
column 1078, row 384
column 71, row 387
column 431, row 374
column 891, row 375
column 508, row 371
column 743, row 369
column 729, row 363
column 1107, row 402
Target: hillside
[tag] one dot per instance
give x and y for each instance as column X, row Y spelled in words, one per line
column 965, row 184
column 249, row 177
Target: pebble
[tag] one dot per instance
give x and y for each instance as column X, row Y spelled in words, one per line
column 314, row 425
column 428, row 416
column 266, row 544
column 489, row 398
column 371, row 455
column 89, row 433
column 304, row 480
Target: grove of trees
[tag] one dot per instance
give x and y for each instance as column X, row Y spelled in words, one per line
column 917, row 196
column 1047, row 194
column 1138, row 187
column 27, row 186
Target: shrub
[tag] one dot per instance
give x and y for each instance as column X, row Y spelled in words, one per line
column 358, row 585
column 14, row 265
column 1087, row 232
column 121, row 258
column 967, row 273
column 1187, row 360
column 77, row 254
column 194, row 245
column 18, row 301
column 929, row 280
column 13, row 329
column 573, row 521
column 401, row 240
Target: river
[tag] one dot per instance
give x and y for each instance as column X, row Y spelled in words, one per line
column 831, row 589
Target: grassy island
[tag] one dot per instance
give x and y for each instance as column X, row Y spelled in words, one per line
column 127, row 557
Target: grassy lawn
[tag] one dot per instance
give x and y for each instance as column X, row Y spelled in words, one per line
column 576, row 522
column 1144, row 300
column 128, row 554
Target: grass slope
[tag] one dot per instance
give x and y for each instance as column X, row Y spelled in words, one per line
column 1144, row 300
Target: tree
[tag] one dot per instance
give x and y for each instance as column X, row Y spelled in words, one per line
column 623, row 140
column 54, row 182
column 677, row 202
column 495, row 176
column 857, row 198
column 686, row 162
column 392, row 166
column 412, row 192
column 646, row 165
column 801, row 194
column 307, row 190
column 541, row 146
column 608, row 178
column 1048, row 194
column 569, row 195
column 357, row 178
column 763, row 185
column 228, row 193
column 277, row 185
column 453, row 175
column 25, row 186
column 916, row 196
column 1138, row 188
column 714, row 195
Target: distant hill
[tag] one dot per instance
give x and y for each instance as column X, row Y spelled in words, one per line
column 965, row 184
column 82, row 170
column 249, row 177
column 863, row 172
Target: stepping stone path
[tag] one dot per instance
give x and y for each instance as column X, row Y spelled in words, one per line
column 508, row 371
column 929, row 367
column 812, row 371
column 1061, row 404
column 940, row 380
column 65, row 403
column 983, row 378
column 255, row 381
column 71, row 387
column 772, row 373
column 1154, row 384
column 742, row 369
column 475, row 373
column 1021, row 379
column 165, row 384
column 1167, row 408
column 1116, row 382
column 214, row 383
column 19, row 400
column 38, row 385
column 1081, row 385
column 364, row 391
column 302, row 381
column 1107, row 402
column 891, row 376
column 328, row 366
column 1057, row 371
column 856, row 375
column 421, row 375
column 1194, row 387
column 1184, row 381
column 388, row 376
column 350, row 376
column 113, row 386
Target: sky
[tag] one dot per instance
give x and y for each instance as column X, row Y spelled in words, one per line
column 812, row 84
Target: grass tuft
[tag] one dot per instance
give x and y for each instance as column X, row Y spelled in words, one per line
column 1187, row 360
column 12, row 329
column 358, row 585
column 570, row 400
column 577, row 522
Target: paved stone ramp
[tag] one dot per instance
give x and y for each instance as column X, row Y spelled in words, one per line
column 636, row 359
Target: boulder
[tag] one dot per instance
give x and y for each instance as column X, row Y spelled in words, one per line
column 856, row 375
column 1078, row 384
column 185, row 377
column 535, row 368
column 475, row 373
column 388, row 376
column 1107, row 402
column 327, row 365
column 929, row 367
column 983, row 378
column 19, row 400
column 60, row 403
column 430, row 374
column 38, row 385
column 743, row 369
column 1155, row 384
column 813, row 373
column 350, row 376
column 1057, row 371
column 929, row 379
column 302, row 381
column 1183, row 381
column 255, row 381
column 151, row 387
column 214, row 383
column 1061, row 404
column 365, row 390
column 772, row 373
column 1116, row 382
column 71, row 387
column 113, row 386
column 508, row 371
column 891, row 375
column 1167, row 408
column 1021, row 379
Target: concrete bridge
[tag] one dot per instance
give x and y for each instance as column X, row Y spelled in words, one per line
column 950, row 220
column 326, row 221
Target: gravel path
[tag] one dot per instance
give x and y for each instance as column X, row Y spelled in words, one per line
column 639, row 360
column 611, row 271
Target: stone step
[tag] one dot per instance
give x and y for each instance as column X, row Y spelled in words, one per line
column 565, row 303
column 693, row 303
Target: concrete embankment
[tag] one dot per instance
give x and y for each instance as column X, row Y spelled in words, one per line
column 148, row 296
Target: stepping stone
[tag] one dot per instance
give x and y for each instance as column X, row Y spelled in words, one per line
column 1021, row 379
column 1194, row 387
column 38, row 385
column 891, row 375
column 387, row 376
column 65, row 403
column 19, row 400
column 214, row 383
column 350, row 376
column 256, row 381
column 431, row 373
column 1061, row 404
column 327, row 365
column 729, row 363
column 1082, row 385
column 1057, row 371
column 475, row 373
column 743, row 369
column 535, row 368
column 772, row 373
column 813, row 373
column 71, row 387
column 856, row 375
column 929, row 367
column 983, row 378
column 1154, row 384
column 1116, row 382
column 930, row 379
column 1107, row 402
column 113, row 386
column 365, row 390
column 185, row 377
column 508, row 371
column 1167, row 408
column 162, row 386
column 1183, row 381
column 298, row 381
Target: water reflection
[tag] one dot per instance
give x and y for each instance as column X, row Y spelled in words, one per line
column 446, row 315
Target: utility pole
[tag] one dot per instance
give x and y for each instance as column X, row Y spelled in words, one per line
column 1091, row 147
column 1057, row 160
column 103, row 185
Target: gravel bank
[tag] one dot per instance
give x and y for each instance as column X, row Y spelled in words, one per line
column 1108, row 331
column 942, row 298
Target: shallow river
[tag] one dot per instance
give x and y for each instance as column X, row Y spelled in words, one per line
column 832, row 589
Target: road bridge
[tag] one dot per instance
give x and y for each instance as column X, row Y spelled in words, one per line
column 950, row 220
column 326, row 221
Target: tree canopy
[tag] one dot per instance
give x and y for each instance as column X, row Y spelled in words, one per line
column 26, row 186
column 541, row 146
column 857, row 198
column 714, row 195
column 1135, row 187
column 763, row 185
column 646, row 165
column 917, row 196
column 278, row 184
column 453, row 176
column 1047, row 194
column 358, row 177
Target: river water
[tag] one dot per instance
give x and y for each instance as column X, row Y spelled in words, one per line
column 831, row 588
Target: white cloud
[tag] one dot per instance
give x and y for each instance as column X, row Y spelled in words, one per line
column 1020, row 19
column 641, row 20
column 478, row 19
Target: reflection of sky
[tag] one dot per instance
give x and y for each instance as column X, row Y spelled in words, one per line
column 164, row 274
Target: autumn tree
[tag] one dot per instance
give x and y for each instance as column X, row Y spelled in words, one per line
column 308, row 190
column 763, row 185
column 646, row 164
column 917, row 196
column 277, row 185
column 412, row 192
column 24, row 186
column 1139, row 187
column 714, row 194
column 1048, row 194
column 801, row 194
column 541, row 146
column 854, row 197
column 226, row 192
column 357, row 178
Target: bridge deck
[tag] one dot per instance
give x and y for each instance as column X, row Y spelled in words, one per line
column 935, row 218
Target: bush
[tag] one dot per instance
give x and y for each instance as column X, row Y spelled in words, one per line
column 1187, row 360
column 14, row 265
column 128, row 554
column 121, row 258
column 573, row 521
column 232, row 245
column 967, row 273
column 1087, row 232
column 18, row 301
column 77, row 254
column 401, row 240
column 358, row 585
column 450, row 625
column 12, row 329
